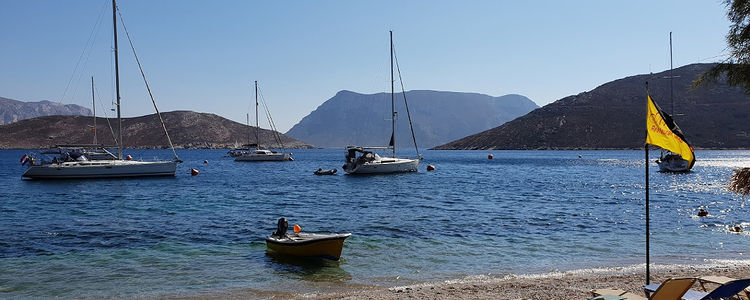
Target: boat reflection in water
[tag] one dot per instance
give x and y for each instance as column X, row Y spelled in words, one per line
column 304, row 268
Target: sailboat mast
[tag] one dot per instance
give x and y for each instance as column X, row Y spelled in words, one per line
column 117, row 82
column 257, row 140
column 671, row 76
column 93, row 106
column 393, row 106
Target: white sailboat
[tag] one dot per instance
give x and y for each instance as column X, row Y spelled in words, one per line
column 361, row 160
column 94, row 161
column 261, row 154
column 244, row 149
column 669, row 162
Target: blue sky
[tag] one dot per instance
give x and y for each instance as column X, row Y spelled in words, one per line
column 204, row 55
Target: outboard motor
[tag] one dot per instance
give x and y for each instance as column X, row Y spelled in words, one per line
column 281, row 228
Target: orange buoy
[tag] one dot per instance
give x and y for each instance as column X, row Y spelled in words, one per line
column 430, row 168
column 297, row 229
column 490, row 156
column 128, row 157
column 193, row 172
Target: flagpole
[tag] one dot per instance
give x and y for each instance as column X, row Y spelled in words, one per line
column 648, row 273
column 645, row 148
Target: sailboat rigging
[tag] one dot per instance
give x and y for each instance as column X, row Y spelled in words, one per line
column 360, row 160
column 93, row 107
column 238, row 150
column 94, row 161
column 262, row 154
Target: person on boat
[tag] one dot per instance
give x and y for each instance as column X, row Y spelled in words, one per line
column 281, row 228
column 350, row 156
column 66, row 157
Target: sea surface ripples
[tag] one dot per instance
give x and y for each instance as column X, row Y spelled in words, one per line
column 522, row 212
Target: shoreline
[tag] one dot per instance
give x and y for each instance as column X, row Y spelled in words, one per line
column 561, row 285
column 573, row 284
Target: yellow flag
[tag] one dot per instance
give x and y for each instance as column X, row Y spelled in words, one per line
column 663, row 132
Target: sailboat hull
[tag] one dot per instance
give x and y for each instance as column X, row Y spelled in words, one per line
column 385, row 166
column 673, row 164
column 101, row 169
column 263, row 157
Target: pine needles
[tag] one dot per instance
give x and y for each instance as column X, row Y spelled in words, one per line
column 741, row 182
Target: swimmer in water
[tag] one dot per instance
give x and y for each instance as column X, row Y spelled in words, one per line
column 702, row 212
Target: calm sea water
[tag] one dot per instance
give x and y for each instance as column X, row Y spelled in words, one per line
column 522, row 212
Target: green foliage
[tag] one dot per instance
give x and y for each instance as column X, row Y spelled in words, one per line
column 737, row 65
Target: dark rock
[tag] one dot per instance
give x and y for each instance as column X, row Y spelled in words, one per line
column 350, row 118
column 14, row 110
column 187, row 129
column 612, row 116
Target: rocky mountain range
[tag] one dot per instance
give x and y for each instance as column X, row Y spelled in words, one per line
column 14, row 110
column 612, row 116
column 350, row 118
column 187, row 129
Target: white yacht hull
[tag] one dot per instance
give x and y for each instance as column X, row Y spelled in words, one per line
column 384, row 166
column 674, row 165
column 263, row 157
column 101, row 169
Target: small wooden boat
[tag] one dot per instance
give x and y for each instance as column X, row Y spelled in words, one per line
column 306, row 244
column 325, row 172
column 309, row 244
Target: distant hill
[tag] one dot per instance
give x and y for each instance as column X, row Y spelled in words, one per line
column 14, row 110
column 186, row 128
column 351, row 118
column 612, row 116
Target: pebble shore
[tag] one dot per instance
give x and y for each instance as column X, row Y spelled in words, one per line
column 556, row 285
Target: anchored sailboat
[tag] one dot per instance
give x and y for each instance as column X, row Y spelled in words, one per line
column 360, row 160
column 237, row 150
column 669, row 161
column 261, row 154
column 662, row 131
column 94, row 161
